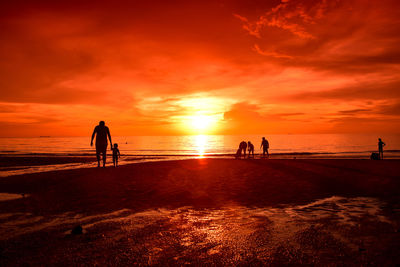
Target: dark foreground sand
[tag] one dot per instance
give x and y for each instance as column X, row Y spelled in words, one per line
column 206, row 211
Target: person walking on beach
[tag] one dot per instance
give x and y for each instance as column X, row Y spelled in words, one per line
column 116, row 154
column 243, row 147
column 264, row 146
column 102, row 132
column 251, row 148
column 381, row 144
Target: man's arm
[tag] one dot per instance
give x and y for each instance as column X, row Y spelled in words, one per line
column 91, row 140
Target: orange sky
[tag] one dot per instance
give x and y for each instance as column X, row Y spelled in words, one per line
column 155, row 67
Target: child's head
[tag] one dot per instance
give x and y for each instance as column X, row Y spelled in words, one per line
column 115, row 145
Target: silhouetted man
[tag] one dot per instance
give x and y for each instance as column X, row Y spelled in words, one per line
column 381, row 144
column 243, row 146
column 102, row 132
column 265, row 146
column 251, row 148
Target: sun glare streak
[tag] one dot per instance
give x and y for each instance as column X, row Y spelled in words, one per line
column 201, row 141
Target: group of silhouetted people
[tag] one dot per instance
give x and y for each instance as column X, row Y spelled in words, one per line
column 243, row 146
column 102, row 132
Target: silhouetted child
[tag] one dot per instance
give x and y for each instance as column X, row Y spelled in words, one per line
column 116, row 154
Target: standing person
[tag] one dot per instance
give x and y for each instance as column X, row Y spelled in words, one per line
column 381, row 144
column 116, row 154
column 102, row 132
column 243, row 146
column 251, row 148
column 265, row 146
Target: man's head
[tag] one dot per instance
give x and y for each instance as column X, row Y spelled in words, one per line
column 380, row 139
column 263, row 138
column 102, row 123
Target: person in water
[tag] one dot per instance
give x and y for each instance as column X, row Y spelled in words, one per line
column 381, row 144
column 251, row 148
column 265, row 146
column 102, row 132
column 116, row 154
column 243, row 147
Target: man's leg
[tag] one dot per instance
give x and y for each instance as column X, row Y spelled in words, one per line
column 104, row 157
column 98, row 157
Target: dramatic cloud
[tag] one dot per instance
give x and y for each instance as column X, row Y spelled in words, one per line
column 149, row 67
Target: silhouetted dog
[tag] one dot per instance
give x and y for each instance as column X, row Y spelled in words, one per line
column 238, row 153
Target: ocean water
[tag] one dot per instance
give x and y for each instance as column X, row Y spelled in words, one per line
column 206, row 145
column 156, row 148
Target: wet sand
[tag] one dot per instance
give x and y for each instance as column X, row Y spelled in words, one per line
column 17, row 161
column 206, row 211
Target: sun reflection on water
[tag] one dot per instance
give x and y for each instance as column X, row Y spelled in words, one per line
column 201, row 141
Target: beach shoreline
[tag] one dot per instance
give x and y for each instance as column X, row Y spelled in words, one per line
column 17, row 164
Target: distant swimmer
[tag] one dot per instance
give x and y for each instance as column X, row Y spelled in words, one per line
column 265, row 146
column 102, row 132
column 381, row 144
column 251, row 148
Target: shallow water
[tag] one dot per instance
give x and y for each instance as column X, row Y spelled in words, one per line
column 8, row 196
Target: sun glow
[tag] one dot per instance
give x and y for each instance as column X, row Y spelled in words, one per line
column 201, row 122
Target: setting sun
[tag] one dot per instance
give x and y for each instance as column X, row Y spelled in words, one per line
column 202, row 122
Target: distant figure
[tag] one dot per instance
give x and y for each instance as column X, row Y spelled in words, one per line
column 251, row 148
column 116, row 154
column 381, row 144
column 243, row 147
column 102, row 132
column 265, row 146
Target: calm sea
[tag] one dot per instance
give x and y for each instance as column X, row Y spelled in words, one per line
column 153, row 148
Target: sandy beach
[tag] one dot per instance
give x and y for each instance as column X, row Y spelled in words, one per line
column 205, row 211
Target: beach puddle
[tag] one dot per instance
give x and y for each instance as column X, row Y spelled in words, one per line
column 330, row 224
column 8, row 196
